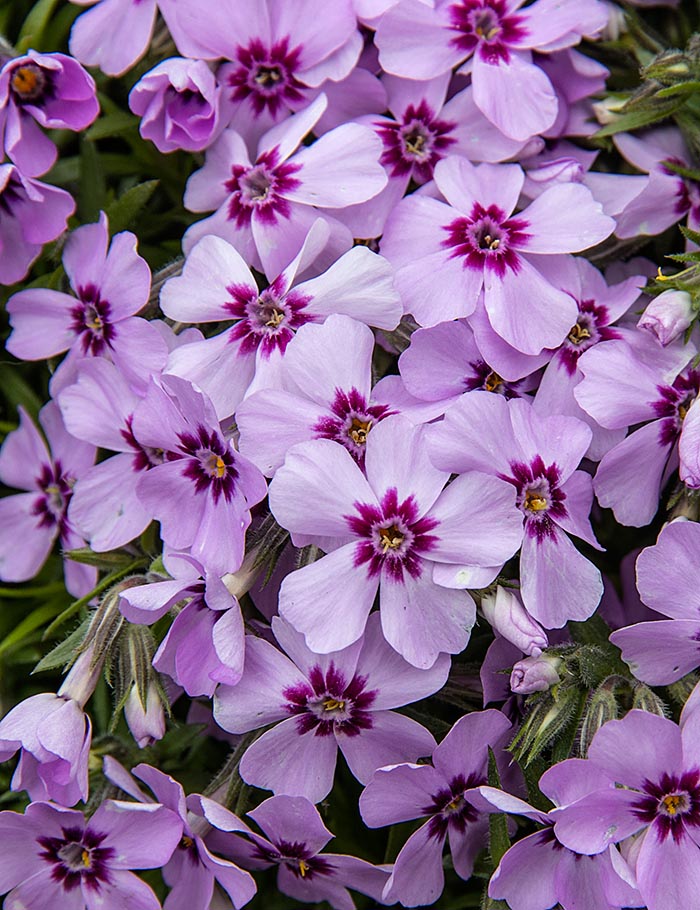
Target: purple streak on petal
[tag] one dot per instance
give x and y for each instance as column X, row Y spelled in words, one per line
column 671, row 804
column 487, row 238
column 488, row 26
column 266, row 75
column 258, row 189
column 330, row 704
column 416, row 143
column 210, row 464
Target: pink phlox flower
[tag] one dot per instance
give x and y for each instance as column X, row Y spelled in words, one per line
column 325, row 702
column 217, row 286
column 32, row 521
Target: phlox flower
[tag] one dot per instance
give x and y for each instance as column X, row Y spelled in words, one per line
column 325, row 702
column 31, row 521
column 279, row 55
column 293, row 837
column 325, row 378
column 420, row 42
column 538, row 871
column 195, row 866
column 51, row 90
column 446, row 792
column 204, row 645
column 203, row 491
column 31, row 214
column 621, row 388
column 54, row 858
column 266, row 206
column 110, row 285
column 663, row 651
column 217, row 286
column 475, row 241
column 538, row 455
column 649, row 786
column 387, row 532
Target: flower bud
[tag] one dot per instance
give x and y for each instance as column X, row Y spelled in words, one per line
column 534, row 674
column 146, row 722
column 510, row 619
column 82, row 678
column 601, row 708
column 668, row 316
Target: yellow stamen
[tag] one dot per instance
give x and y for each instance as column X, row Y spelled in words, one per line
column 535, row 502
column 578, row 333
column 359, row 430
column 220, row 466
column 275, row 319
column 186, row 842
column 493, row 382
column 303, row 868
column 661, row 277
column 85, row 857
column 673, row 803
column 391, row 538
column 333, row 704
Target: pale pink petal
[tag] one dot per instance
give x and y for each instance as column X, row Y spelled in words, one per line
column 391, row 739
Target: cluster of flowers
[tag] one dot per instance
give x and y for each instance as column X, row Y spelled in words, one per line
column 386, row 178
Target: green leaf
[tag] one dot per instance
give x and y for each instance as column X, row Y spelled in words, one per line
column 634, row 120
column 29, row 624
column 99, row 588
column 108, row 560
column 689, row 87
column 499, row 841
column 112, row 125
column 92, row 193
column 17, row 391
column 34, row 26
column 40, row 591
column 123, row 211
column 65, row 651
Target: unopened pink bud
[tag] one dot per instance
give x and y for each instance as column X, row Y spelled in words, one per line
column 509, row 618
column 534, row 674
column 668, row 316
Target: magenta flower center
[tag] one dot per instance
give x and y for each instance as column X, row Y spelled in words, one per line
column 210, row 463
column 393, row 538
column 538, row 495
column 77, row 857
column 267, row 319
column 260, row 189
column 450, row 808
column 265, row 75
column 486, row 25
column 56, row 491
column 487, row 239
column 687, row 190
column 351, row 422
column 672, row 804
column 483, row 377
column 328, row 703
column 91, row 320
column 674, row 403
column 590, row 327
column 297, row 857
column 415, row 145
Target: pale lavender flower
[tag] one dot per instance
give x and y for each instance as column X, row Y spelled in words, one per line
column 388, row 531
column 446, row 792
column 663, row 651
column 217, row 286
column 295, row 837
column 179, row 104
column 110, row 284
column 476, row 242
column 265, row 207
column 54, row 858
column 54, row 736
column 340, row 700
column 51, row 90
column 326, row 380
column 207, row 830
column 538, row 871
column 538, row 455
column 535, row 674
column 420, row 42
column 31, row 521
column 203, row 491
column 650, row 787
column 31, row 214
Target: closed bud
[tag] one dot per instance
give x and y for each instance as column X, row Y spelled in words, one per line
column 646, row 700
column 146, row 721
column 601, row 708
column 535, row 674
column 668, row 316
column 670, row 67
column 507, row 616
